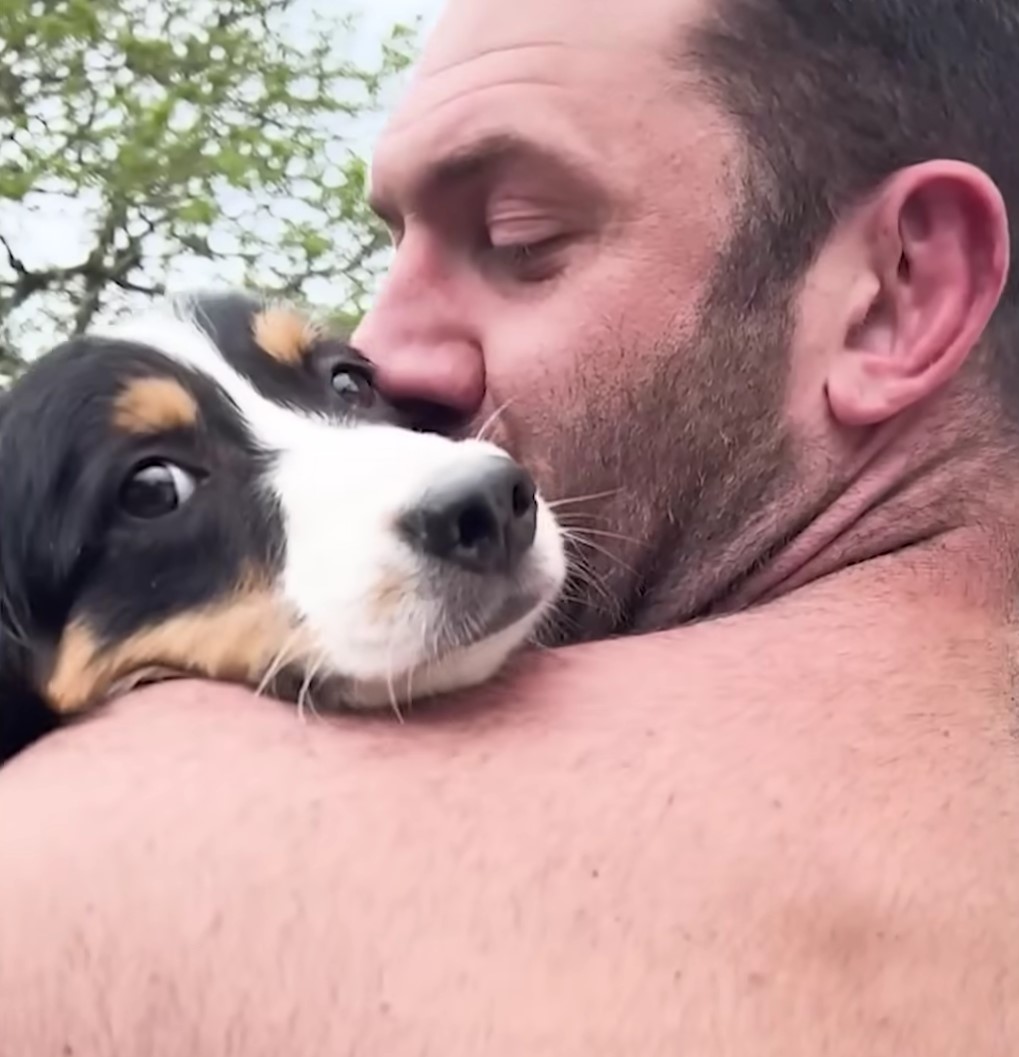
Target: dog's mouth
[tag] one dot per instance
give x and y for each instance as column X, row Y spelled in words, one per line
column 463, row 646
column 462, row 628
column 512, row 610
column 446, row 587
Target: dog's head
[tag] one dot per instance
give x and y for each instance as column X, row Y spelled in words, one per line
column 217, row 489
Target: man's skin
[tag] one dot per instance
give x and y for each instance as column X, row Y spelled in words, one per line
column 786, row 830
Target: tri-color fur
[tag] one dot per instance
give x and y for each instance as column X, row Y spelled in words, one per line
column 216, row 489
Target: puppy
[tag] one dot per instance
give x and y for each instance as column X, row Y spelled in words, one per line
column 216, row 489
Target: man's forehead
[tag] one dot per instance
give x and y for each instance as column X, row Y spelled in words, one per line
column 458, row 113
column 472, row 28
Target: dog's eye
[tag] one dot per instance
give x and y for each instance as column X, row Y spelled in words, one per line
column 352, row 385
column 156, row 489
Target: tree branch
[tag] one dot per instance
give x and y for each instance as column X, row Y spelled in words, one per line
column 17, row 265
column 156, row 290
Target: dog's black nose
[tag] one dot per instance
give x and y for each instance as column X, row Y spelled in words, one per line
column 482, row 519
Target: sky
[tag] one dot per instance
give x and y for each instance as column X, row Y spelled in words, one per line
column 377, row 17
column 58, row 236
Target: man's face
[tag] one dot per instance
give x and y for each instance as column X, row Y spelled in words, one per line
column 566, row 207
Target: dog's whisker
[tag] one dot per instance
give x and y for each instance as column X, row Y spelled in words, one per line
column 589, row 580
column 425, row 663
column 608, row 607
column 584, row 575
column 545, row 624
column 582, row 542
column 321, row 663
column 280, row 660
column 409, row 685
column 582, row 531
column 561, row 622
column 430, row 637
column 581, row 563
column 304, row 697
column 492, row 419
column 569, row 516
column 394, row 703
column 570, row 500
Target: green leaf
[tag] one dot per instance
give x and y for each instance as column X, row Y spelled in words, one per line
column 183, row 129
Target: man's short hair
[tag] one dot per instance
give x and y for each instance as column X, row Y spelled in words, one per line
column 835, row 95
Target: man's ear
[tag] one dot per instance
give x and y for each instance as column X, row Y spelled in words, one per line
column 934, row 252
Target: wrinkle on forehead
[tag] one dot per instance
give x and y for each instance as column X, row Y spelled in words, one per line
column 474, row 28
column 610, row 47
column 593, row 79
column 469, row 76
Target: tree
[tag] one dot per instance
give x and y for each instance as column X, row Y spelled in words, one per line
column 184, row 139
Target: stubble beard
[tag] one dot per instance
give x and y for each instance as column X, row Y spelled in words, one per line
column 690, row 459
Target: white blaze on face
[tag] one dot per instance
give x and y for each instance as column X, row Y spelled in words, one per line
column 377, row 609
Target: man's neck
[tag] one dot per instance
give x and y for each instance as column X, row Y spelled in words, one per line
column 906, row 500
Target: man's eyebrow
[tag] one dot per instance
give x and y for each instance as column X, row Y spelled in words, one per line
column 480, row 157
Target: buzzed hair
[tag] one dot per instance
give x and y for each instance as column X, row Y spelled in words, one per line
column 833, row 96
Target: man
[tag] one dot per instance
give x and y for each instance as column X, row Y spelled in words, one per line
column 743, row 266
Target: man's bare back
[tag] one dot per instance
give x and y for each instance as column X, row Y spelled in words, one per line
column 754, row 836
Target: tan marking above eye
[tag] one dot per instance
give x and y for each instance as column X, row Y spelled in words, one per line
column 154, row 405
column 238, row 639
column 285, row 335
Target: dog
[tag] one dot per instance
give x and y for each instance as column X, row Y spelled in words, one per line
column 215, row 488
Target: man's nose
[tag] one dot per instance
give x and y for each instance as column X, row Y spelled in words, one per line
column 423, row 348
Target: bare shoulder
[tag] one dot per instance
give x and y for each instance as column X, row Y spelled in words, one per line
column 627, row 848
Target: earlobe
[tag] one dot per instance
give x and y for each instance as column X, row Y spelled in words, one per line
column 856, row 383
column 935, row 254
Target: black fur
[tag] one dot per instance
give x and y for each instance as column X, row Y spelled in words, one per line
column 226, row 318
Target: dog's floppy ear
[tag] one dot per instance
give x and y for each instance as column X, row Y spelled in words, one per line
column 24, row 717
column 24, row 714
